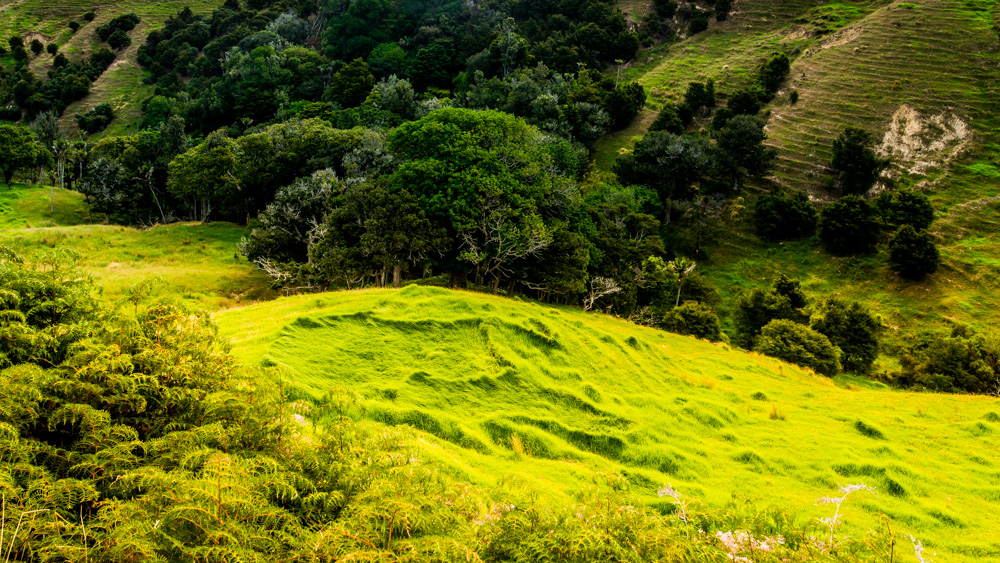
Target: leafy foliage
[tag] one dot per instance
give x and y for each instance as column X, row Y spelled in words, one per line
column 851, row 327
column 694, row 318
column 785, row 215
column 849, row 225
column 961, row 361
column 798, row 344
column 913, row 254
column 757, row 308
column 855, row 160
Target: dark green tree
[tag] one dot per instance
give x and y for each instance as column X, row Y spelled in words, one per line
column 37, row 47
column 849, row 226
column 351, row 84
column 119, row 40
column 786, row 215
column 855, row 161
column 668, row 163
column 743, row 102
column 742, row 149
column 907, row 207
column 668, row 120
column 773, row 72
column 19, row 149
column 912, row 253
column 482, row 178
column 754, row 309
column 851, row 327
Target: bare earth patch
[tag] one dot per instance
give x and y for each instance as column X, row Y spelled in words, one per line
column 918, row 143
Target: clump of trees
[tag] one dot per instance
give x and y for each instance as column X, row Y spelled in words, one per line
column 96, row 119
column 785, row 215
column 962, row 361
column 825, row 336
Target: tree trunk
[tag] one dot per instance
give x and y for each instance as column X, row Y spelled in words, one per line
column 458, row 279
column 496, row 285
column 397, row 276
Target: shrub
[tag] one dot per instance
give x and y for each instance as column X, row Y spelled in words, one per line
column 754, row 310
column 119, row 39
column 851, row 327
column 849, row 226
column 799, row 344
column 668, row 120
column 744, row 102
column 855, row 161
column 793, row 97
column 60, row 61
column 74, row 26
column 695, row 319
column 962, row 361
column 772, row 73
column 665, row 8
column 784, row 216
column 52, row 48
column 912, row 254
column 89, row 16
column 96, row 119
column 698, row 23
column 37, row 47
column 722, row 9
column 121, row 23
column 907, row 207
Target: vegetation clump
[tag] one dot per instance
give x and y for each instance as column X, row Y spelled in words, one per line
column 913, row 254
column 850, row 225
column 784, row 216
column 695, row 319
column 855, row 161
column 799, row 344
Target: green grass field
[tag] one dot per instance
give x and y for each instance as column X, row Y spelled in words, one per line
column 550, row 395
column 196, row 263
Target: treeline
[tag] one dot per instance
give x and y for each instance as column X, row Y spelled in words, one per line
column 129, row 434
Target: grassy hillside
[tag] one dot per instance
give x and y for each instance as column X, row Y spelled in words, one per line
column 549, row 395
column 121, row 85
column 194, row 262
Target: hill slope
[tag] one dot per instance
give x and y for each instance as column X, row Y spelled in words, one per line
column 194, row 262
column 552, row 394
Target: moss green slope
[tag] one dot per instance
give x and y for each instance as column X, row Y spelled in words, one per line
column 552, row 394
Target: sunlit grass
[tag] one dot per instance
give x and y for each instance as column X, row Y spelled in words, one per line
column 550, row 394
column 197, row 263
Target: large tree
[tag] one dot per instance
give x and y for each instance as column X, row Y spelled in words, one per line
column 483, row 177
column 667, row 163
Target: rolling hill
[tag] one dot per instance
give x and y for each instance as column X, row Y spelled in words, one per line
column 551, row 395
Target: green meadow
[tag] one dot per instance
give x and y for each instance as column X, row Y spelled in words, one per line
column 550, row 395
column 196, row 263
